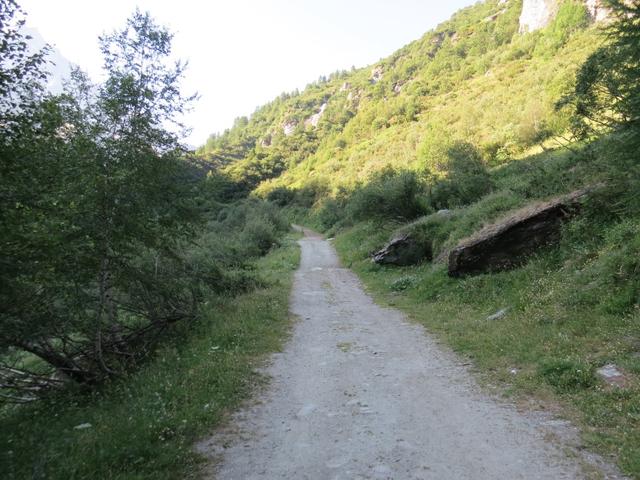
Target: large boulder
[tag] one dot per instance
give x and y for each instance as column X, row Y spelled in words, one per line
column 508, row 243
column 402, row 250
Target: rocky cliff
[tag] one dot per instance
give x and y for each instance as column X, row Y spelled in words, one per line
column 538, row 14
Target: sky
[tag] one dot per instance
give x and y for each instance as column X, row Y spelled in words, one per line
column 244, row 53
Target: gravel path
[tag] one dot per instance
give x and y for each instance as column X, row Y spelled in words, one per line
column 361, row 393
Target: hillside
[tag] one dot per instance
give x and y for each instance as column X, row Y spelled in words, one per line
column 506, row 109
column 473, row 77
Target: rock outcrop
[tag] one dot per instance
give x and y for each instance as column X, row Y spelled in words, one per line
column 538, row 14
column 289, row 127
column 508, row 243
column 376, row 74
column 315, row 118
column 402, row 250
column 598, row 11
column 266, row 141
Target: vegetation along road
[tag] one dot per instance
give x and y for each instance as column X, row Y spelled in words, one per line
column 361, row 393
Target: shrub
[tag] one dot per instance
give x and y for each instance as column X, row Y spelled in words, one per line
column 571, row 16
column 463, row 176
column 244, row 230
column 329, row 213
column 281, row 196
column 310, row 193
column 389, row 194
column 258, row 236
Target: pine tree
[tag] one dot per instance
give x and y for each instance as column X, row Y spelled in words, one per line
column 607, row 91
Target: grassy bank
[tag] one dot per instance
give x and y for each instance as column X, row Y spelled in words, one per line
column 547, row 346
column 144, row 426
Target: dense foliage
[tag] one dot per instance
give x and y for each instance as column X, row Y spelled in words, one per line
column 21, row 70
column 106, row 232
column 607, row 91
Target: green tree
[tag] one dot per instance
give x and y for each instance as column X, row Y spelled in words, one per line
column 456, row 172
column 97, row 208
column 607, row 90
column 21, row 71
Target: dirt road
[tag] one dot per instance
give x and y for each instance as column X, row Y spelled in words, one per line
column 360, row 393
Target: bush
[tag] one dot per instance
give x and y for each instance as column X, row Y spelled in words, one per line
column 258, row 236
column 457, row 172
column 329, row 213
column 308, row 195
column 281, row 196
column 389, row 194
column 571, row 16
column 242, row 231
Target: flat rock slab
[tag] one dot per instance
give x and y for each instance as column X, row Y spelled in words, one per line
column 509, row 242
column 361, row 393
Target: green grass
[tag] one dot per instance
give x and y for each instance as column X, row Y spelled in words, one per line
column 144, row 426
column 568, row 314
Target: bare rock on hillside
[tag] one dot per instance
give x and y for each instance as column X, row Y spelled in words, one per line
column 266, row 141
column 508, row 243
column 494, row 17
column 289, row 127
column 402, row 250
column 598, row 10
column 612, row 375
column 314, row 119
column 537, row 14
column 376, row 74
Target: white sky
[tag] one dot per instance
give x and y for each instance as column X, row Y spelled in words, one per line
column 244, row 53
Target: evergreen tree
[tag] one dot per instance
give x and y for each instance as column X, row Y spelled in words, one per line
column 607, row 91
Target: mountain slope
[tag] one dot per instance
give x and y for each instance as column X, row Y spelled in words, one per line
column 473, row 77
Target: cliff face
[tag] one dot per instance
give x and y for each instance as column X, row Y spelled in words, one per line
column 538, row 14
column 598, row 10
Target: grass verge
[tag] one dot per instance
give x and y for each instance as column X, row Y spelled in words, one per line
column 144, row 426
column 544, row 350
